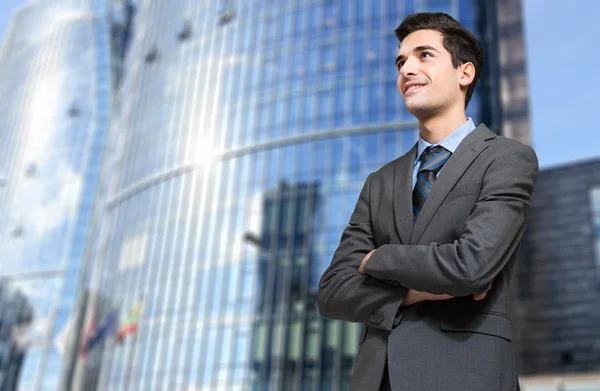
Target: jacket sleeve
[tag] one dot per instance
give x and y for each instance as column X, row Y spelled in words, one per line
column 490, row 237
column 348, row 295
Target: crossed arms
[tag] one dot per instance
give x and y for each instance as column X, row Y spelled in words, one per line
column 466, row 266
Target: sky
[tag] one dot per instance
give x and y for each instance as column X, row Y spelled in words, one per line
column 564, row 78
column 6, row 8
column 563, row 61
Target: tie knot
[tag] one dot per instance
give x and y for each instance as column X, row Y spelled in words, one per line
column 434, row 158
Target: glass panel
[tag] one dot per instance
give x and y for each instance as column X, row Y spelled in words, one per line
column 595, row 210
column 260, row 343
column 334, row 333
column 313, row 341
column 295, row 340
column 440, row 6
column 351, row 336
column 277, row 340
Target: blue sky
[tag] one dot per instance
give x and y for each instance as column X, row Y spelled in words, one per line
column 564, row 80
column 6, row 7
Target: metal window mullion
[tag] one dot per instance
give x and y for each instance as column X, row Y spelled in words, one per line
column 182, row 265
column 227, row 261
column 202, row 181
column 230, row 186
column 205, row 285
column 157, row 192
column 175, row 138
column 287, row 313
column 238, row 227
column 167, row 264
column 103, row 282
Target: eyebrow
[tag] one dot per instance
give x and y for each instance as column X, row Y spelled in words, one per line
column 418, row 49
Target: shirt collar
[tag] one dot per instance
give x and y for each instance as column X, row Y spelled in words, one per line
column 451, row 141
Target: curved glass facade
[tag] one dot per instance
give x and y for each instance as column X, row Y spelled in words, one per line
column 55, row 115
column 246, row 133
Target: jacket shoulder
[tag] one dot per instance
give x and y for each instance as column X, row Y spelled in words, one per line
column 388, row 169
column 502, row 145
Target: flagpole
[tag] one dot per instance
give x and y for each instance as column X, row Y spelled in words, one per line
column 130, row 365
column 49, row 326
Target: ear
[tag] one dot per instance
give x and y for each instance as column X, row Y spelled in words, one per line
column 466, row 74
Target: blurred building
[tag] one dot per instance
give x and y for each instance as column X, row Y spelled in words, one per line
column 15, row 319
column 245, row 133
column 56, row 74
column 558, row 276
column 564, row 382
column 507, row 64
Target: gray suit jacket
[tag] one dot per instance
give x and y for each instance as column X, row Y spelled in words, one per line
column 466, row 238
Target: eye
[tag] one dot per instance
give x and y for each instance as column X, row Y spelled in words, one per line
column 399, row 64
column 426, row 54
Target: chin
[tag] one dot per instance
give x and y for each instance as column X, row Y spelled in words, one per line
column 420, row 110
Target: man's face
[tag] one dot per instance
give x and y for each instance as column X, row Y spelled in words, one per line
column 426, row 79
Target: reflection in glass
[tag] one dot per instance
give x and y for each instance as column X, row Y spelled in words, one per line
column 16, row 322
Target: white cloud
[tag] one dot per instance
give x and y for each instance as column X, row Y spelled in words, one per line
column 48, row 197
column 43, row 205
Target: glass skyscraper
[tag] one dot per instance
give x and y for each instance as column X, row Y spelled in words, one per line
column 245, row 132
column 56, row 75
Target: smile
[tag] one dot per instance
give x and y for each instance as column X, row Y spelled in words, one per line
column 413, row 87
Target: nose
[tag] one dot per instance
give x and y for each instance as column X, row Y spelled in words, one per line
column 409, row 68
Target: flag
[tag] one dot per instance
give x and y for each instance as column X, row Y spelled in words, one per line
column 102, row 331
column 86, row 336
column 130, row 325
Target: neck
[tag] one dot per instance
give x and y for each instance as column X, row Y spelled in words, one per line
column 435, row 129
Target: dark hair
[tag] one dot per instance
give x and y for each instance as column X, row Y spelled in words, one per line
column 458, row 41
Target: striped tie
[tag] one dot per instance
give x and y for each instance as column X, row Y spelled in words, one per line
column 432, row 161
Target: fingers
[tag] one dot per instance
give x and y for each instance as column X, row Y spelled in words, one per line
column 482, row 295
column 439, row 297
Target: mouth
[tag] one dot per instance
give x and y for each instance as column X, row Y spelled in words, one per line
column 410, row 88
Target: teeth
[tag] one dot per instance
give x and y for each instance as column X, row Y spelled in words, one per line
column 411, row 87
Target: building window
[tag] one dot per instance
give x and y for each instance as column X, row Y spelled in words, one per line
column 595, row 210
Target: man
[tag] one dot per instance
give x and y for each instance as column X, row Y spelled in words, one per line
column 426, row 259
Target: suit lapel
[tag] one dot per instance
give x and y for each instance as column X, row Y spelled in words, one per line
column 402, row 196
column 470, row 147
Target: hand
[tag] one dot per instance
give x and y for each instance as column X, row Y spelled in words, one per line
column 482, row 296
column 413, row 297
column 361, row 268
